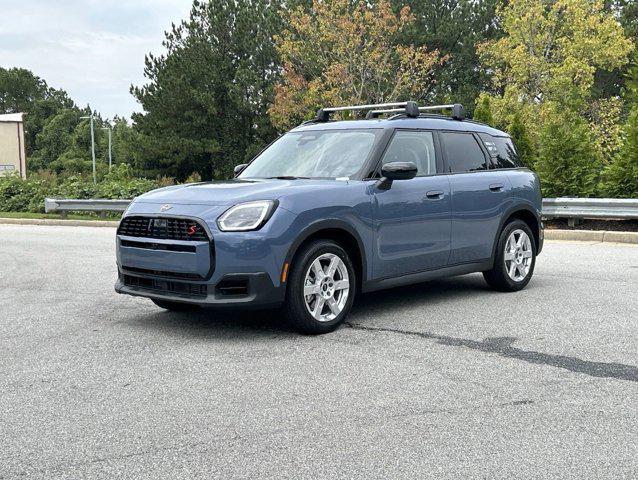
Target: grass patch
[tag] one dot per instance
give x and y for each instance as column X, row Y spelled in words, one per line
column 55, row 216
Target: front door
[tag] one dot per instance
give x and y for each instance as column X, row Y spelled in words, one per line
column 412, row 217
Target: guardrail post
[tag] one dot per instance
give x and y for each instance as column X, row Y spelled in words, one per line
column 63, row 213
column 572, row 222
column 103, row 214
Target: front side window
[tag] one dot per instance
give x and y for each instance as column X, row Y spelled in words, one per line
column 502, row 151
column 314, row 154
column 463, row 152
column 412, row 146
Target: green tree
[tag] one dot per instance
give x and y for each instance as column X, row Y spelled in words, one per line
column 550, row 52
column 22, row 91
column 620, row 178
column 523, row 144
column 345, row 52
column 206, row 100
column 483, row 111
column 454, row 27
column 567, row 161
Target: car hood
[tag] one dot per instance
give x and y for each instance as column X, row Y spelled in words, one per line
column 233, row 191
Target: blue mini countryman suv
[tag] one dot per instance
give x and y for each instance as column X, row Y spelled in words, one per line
column 333, row 208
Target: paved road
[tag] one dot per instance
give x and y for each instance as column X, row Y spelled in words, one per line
column 443, row 380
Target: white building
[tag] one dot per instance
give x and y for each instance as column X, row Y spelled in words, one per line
column 12, row 153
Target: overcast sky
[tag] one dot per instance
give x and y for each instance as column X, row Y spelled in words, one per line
column 92, row 49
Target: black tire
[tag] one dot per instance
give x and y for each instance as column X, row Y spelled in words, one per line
column 498, row 277
column 174, row 306
column 295, row 307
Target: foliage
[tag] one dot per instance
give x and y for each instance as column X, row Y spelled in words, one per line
column 483, row 111
column 523, row 144
column 346, row 52
column 18, row 195
column 620, row 178
column 606, row 126
column 22, row 91
column 453, row 27
column 550, row 50
column 567, row 161
column 206, row 98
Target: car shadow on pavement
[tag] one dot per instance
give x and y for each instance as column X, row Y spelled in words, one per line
column 206, row 322
column 438, row 291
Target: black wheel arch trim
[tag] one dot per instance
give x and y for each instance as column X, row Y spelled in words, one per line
column 505, row 217
column 330, row 224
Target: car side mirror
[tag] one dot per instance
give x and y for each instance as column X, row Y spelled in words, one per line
column 396, row 171
column 238, row 169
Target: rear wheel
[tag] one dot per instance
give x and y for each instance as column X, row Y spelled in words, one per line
column 174, row 306
column 515, row 258
column 321, row 287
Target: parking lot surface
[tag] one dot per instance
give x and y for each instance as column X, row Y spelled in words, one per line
column 446, row 379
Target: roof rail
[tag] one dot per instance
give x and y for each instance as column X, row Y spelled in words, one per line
column 411, row 109
column 458, row 112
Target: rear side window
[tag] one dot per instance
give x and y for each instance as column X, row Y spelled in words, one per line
column 502, row 151
column 463, row 152
column 412, row 146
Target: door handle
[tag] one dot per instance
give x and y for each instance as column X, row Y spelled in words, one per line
column 434, row 194
column 497, row 187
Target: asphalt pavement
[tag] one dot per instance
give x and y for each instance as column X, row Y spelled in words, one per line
column 445, row 379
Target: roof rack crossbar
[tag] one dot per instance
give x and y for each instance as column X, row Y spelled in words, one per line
column 457, row 110
column 365, row 107
column 410, row 108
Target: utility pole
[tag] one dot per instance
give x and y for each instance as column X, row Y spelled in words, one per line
column 110, row 130
column 92, row 147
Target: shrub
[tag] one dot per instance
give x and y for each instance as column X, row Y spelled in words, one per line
column 567, row 161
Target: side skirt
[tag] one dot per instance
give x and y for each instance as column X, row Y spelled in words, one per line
column 427, row 275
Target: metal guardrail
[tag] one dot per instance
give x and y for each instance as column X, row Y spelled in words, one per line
column 65, row 205
column 576, row 209
column 570, row 208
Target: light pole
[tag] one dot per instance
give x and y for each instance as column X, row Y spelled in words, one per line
column 110, row 129
column 92, row 146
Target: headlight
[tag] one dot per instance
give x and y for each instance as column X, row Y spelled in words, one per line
column 246, row 216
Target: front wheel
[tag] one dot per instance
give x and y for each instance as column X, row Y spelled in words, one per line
column 321, row 287
column 515, row 258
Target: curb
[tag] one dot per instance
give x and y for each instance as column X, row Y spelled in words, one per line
column 592, row 236
column 59, row 222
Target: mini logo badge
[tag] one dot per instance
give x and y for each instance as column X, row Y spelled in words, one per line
column 165, row 208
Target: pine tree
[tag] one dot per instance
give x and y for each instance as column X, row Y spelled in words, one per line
column 567, row 161
column 620, row 179
column 483, row 111
column 521, row 140
column 207, row 98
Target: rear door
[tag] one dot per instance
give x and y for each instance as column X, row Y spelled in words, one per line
column 480, row 194
column 412, row 217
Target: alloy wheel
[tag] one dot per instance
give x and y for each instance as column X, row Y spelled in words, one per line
column 518, row 255
column 326, row 287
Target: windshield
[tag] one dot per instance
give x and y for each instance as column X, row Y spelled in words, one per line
column 314, row 154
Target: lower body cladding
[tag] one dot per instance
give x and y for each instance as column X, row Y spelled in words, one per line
column 231, row 270
column 249, row 290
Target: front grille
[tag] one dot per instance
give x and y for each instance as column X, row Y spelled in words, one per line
column 165, row 228
column 166, row 286
column 159, row 246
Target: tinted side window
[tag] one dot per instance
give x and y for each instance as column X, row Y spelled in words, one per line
column 463, row 152
column 502, row 151
column 412, row 146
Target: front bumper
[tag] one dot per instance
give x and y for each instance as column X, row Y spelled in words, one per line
column 248, row 290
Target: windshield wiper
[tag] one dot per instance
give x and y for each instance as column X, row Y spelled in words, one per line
column 287, row 177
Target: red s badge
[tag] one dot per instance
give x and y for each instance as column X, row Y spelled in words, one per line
column 192, row 229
